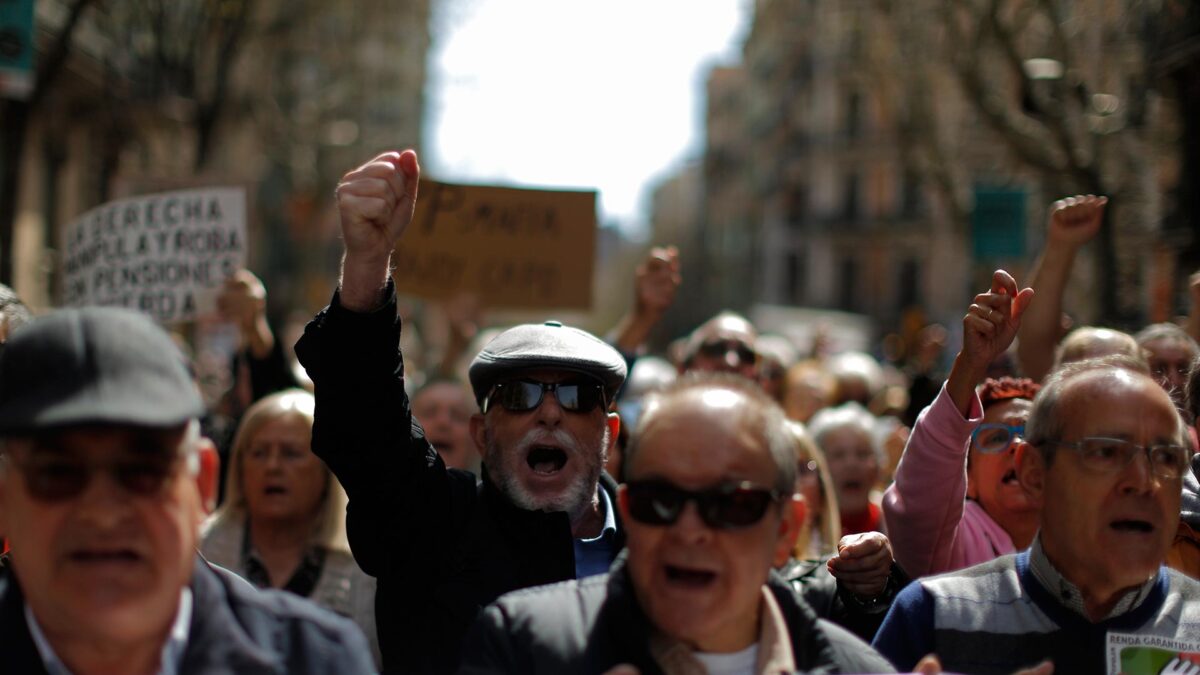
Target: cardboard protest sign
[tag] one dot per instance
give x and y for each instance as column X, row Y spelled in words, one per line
column 164, row 254
column 513, row 248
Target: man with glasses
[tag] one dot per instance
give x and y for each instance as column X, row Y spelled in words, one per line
column 708, row 506
column 441, row 543
column 1103, row 457
column 102, row 472
column 723, row 344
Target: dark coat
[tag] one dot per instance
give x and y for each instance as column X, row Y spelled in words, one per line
column 235, row 628
column 441, row 544
column 594, row 624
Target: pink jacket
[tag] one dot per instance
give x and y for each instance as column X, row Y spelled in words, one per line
column 934, row 528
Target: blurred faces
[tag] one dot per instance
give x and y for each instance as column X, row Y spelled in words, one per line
column 1107, row 533
column 724, row 343
column 699, row 584
column 548, row 458
column 444, row 411
column 992, row 477
column 282, row 480
column 853, row 466
column 1169, row 362
column 806, row 390
column 104, row 565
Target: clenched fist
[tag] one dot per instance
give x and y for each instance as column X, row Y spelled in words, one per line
column 376, row 202
column 375, row 205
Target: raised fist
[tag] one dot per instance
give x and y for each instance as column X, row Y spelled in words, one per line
column 657, row 280
column 376, row 202
column 993, row 319
column 1074, row 221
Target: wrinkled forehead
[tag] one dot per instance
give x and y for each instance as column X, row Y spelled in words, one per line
column 715, row 427
column 1090, row 399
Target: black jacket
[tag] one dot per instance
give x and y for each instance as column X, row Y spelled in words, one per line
column 235, row 628
column 592, row 625
column 441, row 544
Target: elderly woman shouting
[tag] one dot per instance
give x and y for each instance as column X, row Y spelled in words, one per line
column 282, row 524
column 955, row 501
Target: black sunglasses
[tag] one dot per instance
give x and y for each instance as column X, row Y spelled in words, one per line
column 60, row 479
column 725, row 507
column 526, row 395
column 716, row 349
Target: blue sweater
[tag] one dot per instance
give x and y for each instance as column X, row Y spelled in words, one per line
column 997, row 618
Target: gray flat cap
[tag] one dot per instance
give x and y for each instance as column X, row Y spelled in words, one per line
column 550, row 345
column 96, row 365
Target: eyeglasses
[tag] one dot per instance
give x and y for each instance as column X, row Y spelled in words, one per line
column 726, row 507
column 1110, row 455
column 716, row 349
column 60, row 479
column 526, row 395
column 995, row 438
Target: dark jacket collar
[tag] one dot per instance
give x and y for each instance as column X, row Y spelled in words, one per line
column 20, row 655
column 522, row 523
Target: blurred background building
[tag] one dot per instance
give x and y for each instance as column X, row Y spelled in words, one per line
column 280, row 97
column 879, row 157
column 883, row 157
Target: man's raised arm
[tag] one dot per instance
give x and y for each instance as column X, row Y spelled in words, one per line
column 375, row 206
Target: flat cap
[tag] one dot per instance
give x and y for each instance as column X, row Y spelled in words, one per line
column 95, row 365
column 550, row 345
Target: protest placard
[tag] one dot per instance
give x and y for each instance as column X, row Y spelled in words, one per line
column 513, row 248
column 164, row 254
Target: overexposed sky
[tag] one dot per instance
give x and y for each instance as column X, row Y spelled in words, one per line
column 573, row 93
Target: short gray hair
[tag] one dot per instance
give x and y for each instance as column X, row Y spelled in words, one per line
column 848, row 415
column 771, row 423
column 1046, row 422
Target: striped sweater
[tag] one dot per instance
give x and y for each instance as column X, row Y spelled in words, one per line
column 997, row 617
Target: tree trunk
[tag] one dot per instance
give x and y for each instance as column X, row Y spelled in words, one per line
column 12, row 145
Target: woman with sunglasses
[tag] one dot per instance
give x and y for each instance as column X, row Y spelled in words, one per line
column 940, row 517
column 282, row 524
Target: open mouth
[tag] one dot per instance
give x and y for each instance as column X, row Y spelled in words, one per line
column 690, row 578
column 105, row 557
column 546, row 460
column 1134, row 526
column 1009, row 477
column 274, row 490
column 852, row 486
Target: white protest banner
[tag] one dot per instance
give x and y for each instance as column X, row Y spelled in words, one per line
column 164, row 254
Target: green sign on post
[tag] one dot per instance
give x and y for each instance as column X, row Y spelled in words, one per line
column 998, row 223
column 16, row 49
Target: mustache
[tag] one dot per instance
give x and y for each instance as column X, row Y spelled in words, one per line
column 555, row 437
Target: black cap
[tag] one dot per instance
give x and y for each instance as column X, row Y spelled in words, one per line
column 550, row 346
column 96, row 365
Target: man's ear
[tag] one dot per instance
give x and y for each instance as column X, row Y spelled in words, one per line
column 479, row 435
column 208, row 478
column 623, row 503
column 795, row 511
column 1031, row 472
column 613, row 420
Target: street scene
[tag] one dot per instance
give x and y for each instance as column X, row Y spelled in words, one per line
column 470, row 336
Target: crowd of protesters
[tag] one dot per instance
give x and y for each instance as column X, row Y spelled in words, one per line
column 547, row 501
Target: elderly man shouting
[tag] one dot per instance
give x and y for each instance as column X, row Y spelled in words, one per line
column 1103, row 456
column 708, row 507
column 441, row 544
